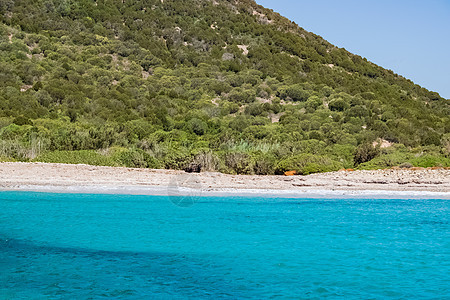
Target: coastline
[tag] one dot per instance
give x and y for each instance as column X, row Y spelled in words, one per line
column 64, row 178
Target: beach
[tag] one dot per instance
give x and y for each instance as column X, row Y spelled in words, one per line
column 49, row 177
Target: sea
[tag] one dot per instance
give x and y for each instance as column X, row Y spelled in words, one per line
column 104, row 246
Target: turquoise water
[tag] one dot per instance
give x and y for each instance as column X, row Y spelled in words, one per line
column 80, row 246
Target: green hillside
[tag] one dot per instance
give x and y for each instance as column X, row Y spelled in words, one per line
column 223, row 85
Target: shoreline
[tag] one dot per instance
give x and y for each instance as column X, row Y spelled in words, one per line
column 64, row 178
column 260, row 193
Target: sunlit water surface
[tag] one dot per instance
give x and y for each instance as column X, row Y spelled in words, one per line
column 79, row 246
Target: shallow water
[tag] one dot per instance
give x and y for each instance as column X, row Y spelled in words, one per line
column 80, row 246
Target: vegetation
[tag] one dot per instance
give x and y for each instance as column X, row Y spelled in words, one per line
column 227, row 85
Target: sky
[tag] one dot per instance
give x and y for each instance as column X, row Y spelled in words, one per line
column 411, row 38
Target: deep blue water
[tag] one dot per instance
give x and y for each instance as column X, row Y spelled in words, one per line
column 80, row 246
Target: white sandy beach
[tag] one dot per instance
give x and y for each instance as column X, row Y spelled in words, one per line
column 423, row 183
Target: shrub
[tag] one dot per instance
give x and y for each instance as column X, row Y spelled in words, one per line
column 89, row 157
column 263, row 164
column 313, row 103
column 134, row 158
column 176, row 157
column 445, row 141
column 205, row 161
column 405, row 160
column 237, row 163
column 431, row 138
column 197, row 126
column 427, row 161
column 305, row 164
column 6, row 159
column 21, row 120
column 239, row 123
column 364, row 153
column 386, row 161
column 254, row 109
column 406, row 165
column 239, row 95
column 14, row 149
column 294, row 92
column 338, row 105
column 357, row 111
column 255, row 132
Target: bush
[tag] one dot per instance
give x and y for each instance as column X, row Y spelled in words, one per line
column 204, row 161
column 294, row 92
column 405, row 160
column 6, row 159
column 134, row 158
column 14, row 149
column 237, row 163
column 175, row 157
column 364, row 153
column 406, row 165
column 386, row 161
column 431, row 138
column 255, row 110
column 263, row 164
column 338, row 105
column 197, row 126
column 305, row 164
column 427, row 161
column 239, row 95
column 445, row 141
column 21, row 120
column 88, row 157
column 313, row 103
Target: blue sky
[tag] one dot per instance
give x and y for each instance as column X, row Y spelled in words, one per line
column 412, row 38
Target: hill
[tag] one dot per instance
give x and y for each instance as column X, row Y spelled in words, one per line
column 219, row 85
